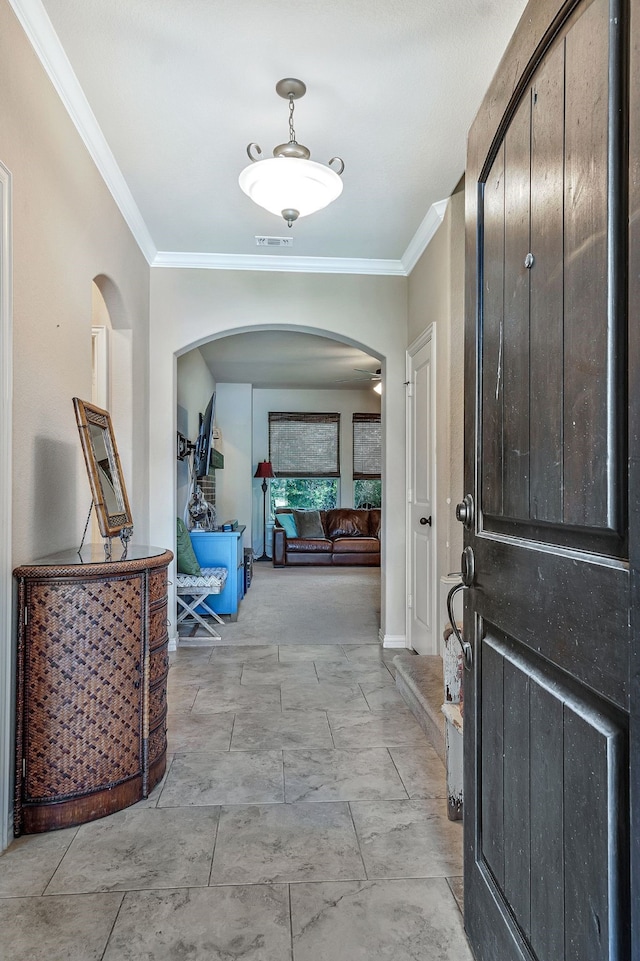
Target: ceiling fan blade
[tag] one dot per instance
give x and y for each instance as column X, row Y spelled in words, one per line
column 373, row 374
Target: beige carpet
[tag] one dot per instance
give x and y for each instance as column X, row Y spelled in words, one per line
column 312, row 605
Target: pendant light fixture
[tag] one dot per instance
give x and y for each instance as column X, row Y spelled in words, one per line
column 290, row 184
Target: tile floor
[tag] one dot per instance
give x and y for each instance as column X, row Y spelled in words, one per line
column 302, row 818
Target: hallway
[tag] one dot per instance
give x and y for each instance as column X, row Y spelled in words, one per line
column 303, row 816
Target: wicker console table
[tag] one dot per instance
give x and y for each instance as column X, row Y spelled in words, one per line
column 91, row 685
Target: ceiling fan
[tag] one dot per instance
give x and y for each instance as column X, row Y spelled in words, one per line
column 372, row 375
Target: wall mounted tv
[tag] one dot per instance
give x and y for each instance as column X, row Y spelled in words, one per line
column 204, row 443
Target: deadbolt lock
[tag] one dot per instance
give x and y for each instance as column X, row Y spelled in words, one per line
column 465, row 512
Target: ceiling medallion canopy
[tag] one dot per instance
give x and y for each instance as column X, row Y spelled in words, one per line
column 290, row 184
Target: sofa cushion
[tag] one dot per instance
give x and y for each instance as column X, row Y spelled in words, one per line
column 356, row 545
column 375, row 517
column 347, row 522
column 319, row 545
column 309, row 523
column 288, row 522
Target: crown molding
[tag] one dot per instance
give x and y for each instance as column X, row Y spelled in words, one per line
column 308, row 265
column 423, row 235
column 44, row 40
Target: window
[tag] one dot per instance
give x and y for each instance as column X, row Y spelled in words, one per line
column 367, row 460
column 305, row 452
column 304, row 445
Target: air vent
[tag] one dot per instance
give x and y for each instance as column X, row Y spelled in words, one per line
column 274, row 241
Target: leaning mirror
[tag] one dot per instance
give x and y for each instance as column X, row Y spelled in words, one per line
column 104, row 469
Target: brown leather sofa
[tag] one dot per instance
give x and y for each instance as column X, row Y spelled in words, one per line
column 351, row 536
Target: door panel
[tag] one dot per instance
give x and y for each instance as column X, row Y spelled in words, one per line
column 492, row 336
column 547, row 706
column 421, row 629
column 546, row 295
column 515, row 353
column 560, row 780
column 588, row 441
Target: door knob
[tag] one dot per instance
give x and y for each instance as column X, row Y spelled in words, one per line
column 426, row 520
column 465, row 512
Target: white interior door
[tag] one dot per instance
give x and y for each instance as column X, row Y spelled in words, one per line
column 421, row 474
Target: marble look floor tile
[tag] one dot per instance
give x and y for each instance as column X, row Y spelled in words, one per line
column 224, row 778
column 206, row 673
column 364, row 653
column 28, row 864
column 341, row 775
column 256, row 674
column 382, row 695
column 274, row 732
column 199, row 732
column 139, row 849
column 389, row 729
column 219, row 700
column 250, row 923
column 290, row 653
column 286, row 842
column 244, row 653
column 327, row 696
column 74, row 928
column 457, row 889
column 423, row 773
column 181, row 697
column 357, row 673
column 377, row 921
column 189, row 655
column 408, row 839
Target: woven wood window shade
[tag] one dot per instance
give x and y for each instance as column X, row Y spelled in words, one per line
column 304, row 445
column 367, row 446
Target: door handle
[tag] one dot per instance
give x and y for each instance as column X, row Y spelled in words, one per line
column 467, row 650
column 426, row 520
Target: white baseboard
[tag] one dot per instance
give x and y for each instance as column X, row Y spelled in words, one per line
column 173, row 643
column 393, row 640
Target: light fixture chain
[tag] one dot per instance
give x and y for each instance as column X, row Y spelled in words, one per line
column 292, row 133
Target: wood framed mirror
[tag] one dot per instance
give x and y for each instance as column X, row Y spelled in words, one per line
column 104, row 469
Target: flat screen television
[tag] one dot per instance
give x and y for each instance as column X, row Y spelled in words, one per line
column 204, row 443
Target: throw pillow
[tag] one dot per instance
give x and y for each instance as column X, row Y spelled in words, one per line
column 288, row 521
column 347, row 522
column 186, row 560
column 309, row 524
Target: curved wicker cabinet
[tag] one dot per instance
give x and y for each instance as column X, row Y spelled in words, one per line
column 91, row 685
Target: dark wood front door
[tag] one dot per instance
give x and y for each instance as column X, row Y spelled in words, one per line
column 552, row 450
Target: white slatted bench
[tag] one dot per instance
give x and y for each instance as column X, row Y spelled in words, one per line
column 192, row 590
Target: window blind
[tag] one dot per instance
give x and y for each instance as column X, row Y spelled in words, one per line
column 367, row 446
column 304, row 445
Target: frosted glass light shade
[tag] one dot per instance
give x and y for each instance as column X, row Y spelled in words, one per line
column 285, row 183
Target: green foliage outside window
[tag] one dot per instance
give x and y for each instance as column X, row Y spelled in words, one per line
column 304, row 493
column 367, row 493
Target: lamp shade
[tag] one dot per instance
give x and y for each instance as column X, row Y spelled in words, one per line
column 289, row 183
column 264, row 469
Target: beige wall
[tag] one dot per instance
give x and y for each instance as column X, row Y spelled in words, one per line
column 67, row 231
column 189, row 307
column 436, row 296
column 194, row 387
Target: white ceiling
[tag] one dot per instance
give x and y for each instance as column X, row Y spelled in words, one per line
column 178, row 90
column 278, row 358
column 168, row 93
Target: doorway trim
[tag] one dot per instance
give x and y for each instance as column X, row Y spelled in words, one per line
column 6, row 581
column 427, row 336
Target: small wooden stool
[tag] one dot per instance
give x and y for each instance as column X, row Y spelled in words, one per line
column 192, row 591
